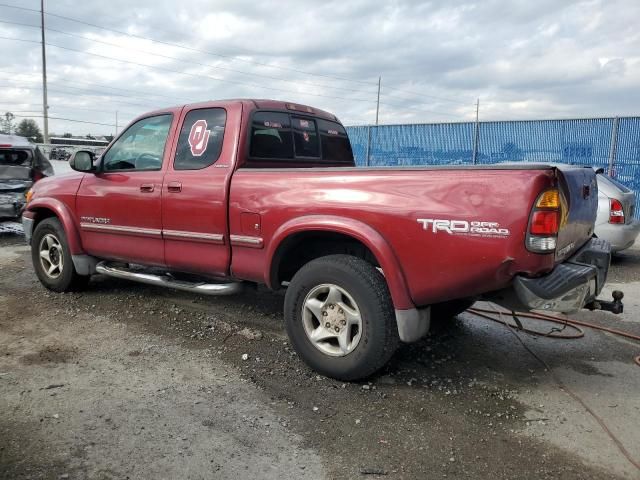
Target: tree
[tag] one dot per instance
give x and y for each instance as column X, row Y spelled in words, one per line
column 29, row 128
column 67, row 135
column 6, row 124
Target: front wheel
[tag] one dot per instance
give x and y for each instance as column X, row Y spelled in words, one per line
column 52, row 258
column 339, row 317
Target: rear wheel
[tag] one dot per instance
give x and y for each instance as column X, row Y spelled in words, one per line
column 52, row 258
column 340, row 318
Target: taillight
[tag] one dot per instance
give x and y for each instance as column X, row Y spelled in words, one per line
column 544, row 223
column 616, row 212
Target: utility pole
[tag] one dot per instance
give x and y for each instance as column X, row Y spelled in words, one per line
column 476, row 133
column 45, row 106
column 116, row 123
column 378, row 102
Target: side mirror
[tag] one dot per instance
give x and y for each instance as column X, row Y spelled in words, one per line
column 82, row 161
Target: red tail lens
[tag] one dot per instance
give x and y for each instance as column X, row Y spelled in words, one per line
column 545, row 222
column 616, row 212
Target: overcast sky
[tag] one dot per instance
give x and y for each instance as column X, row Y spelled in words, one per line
column 522, row 59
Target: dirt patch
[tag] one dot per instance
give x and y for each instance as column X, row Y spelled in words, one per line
column 212, row 386
column 50, row 354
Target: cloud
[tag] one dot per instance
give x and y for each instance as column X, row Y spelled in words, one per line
column 523, row 59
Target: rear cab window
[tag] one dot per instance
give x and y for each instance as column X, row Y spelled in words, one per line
column 281, row 137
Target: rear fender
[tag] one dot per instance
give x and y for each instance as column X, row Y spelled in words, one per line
column 63, row 213
column 360, row 231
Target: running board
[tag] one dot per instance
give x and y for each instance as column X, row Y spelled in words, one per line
column 215, row 289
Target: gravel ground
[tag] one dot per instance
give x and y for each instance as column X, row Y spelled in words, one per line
column 130, row 381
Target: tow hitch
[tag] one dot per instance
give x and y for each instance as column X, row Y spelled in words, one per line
column 614, row 306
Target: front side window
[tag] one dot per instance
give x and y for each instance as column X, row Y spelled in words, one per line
column 200, row 141
column 141, row 147
column 271, row 136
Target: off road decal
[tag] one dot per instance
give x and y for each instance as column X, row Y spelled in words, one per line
column 199, row 138
column 464, row 227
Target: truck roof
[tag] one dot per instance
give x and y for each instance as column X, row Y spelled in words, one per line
column 256, row 104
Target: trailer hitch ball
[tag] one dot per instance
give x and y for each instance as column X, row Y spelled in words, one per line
column 616, row 306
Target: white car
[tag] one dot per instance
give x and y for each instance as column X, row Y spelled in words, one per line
column 616, row 220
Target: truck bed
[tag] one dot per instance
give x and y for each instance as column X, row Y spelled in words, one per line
column 395, row 201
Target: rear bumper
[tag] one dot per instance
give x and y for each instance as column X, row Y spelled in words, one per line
column 568, row 288
column 621, row 237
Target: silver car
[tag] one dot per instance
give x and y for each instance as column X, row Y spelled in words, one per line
column 616, row 220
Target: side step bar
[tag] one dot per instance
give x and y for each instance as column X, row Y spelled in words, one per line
column 214, row 289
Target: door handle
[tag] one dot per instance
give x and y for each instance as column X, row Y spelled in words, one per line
column 147, row 187
column 174, row 187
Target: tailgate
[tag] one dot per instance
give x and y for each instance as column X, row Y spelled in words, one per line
column 579, row 193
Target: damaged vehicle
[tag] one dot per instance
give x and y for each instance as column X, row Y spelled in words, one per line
column 21, row 165
column 214, row 196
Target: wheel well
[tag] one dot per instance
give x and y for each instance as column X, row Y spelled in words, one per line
column 42, row 214
column 300, row 248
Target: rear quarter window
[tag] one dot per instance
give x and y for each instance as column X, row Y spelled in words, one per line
column 200, row 141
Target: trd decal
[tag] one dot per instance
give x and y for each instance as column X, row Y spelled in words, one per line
column 199, row 138
column 463, row 227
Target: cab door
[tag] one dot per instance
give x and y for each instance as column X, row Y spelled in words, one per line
column 195, row 191
column 119, row 207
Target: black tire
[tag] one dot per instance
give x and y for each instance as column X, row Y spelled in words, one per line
column 368, row 288
column 443, row 314
column 63, row 279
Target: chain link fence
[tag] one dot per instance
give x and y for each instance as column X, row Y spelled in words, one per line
column 609, row 143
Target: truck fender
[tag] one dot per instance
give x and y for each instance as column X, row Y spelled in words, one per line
column 62, row 212
column 358, row 230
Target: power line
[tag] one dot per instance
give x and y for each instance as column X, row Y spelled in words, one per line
column 229, row 81
column 162, row 42
column 225, row 68
column 198, row 75
column 67, row 120
column 86, row 93
column 137, row 92
column 184, row 61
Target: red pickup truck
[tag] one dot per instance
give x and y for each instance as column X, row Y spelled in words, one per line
column 211, row 196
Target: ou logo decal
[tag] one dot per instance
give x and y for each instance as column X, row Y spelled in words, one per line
column 199, row 138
